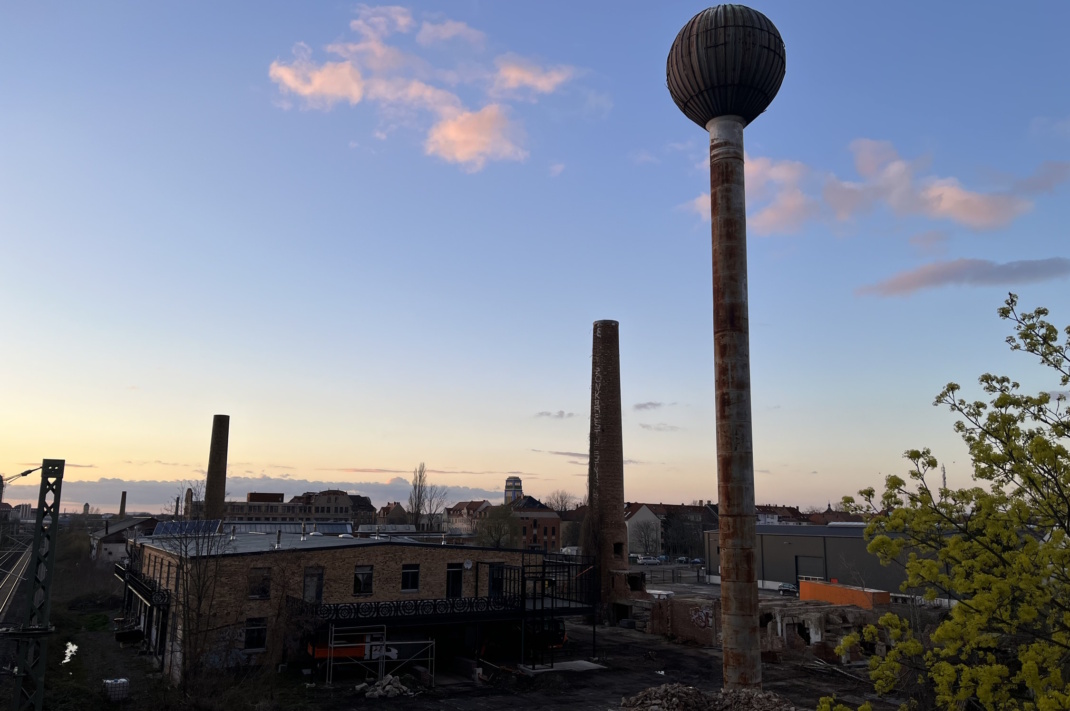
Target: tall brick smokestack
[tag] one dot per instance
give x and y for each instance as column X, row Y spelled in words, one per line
column 122, row 506
column 215, row 488
column 605, row 535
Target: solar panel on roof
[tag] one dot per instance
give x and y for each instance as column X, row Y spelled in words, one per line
column 186, row 528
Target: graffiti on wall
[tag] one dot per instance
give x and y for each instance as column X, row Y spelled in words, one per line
column 702, row 617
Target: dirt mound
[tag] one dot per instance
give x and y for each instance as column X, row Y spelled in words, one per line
column 677, row 697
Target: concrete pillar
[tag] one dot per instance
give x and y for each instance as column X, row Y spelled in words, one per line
column 735, row 449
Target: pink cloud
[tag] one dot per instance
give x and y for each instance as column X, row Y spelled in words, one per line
column 890, row 180
column 382, row 21
column 774, row 190
column 321, row 86
column 970, row 272
column 415, row 94
column 471, row 138
column 516, row 74
column 434, row 33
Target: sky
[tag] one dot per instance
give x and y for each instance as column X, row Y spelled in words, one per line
column 379, row 235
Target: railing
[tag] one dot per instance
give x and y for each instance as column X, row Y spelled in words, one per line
column 406, row 609
column 145, row 588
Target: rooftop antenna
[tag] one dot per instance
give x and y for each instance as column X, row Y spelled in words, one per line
column 723, row 70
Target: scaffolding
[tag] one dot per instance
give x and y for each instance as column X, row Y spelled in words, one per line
column 367, row 647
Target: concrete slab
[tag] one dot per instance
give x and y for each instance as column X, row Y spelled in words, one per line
column 574, row 665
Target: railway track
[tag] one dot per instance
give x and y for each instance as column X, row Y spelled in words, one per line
column 13, row 564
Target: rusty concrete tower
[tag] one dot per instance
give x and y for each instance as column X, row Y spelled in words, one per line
column 215, row 487
column 723, row 70
column 604, row 534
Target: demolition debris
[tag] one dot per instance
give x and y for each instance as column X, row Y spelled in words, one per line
column 678, row 697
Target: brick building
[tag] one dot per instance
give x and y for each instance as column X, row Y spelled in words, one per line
column 270, row 507
column 463, row 517
column 540, row 526
column 249, row 599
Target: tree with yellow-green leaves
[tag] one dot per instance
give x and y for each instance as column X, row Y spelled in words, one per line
column 999, row 549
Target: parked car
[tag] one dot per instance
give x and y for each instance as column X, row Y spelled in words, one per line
column 697, row 561
column 663, row 559
column 648, row 560
column 682, row 559
column 788, row 589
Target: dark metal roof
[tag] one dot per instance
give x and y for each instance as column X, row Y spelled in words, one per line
column 829, row 531
column 728, row 60
column 327, row 528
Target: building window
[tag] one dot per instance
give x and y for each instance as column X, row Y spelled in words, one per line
column 255, row 633
column 410, row 577
column 260, row 583
column 313, row 588
column 454, row 579
column 362, row 580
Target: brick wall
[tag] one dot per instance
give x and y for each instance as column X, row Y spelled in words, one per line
column 231, row 605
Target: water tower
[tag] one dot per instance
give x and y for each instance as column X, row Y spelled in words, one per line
column 723, row 70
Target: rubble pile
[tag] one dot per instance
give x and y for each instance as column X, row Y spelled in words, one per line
column 389, row 687
column 668, row 697
column 678, row 697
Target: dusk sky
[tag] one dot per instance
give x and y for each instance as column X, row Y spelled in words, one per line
column 379, row 236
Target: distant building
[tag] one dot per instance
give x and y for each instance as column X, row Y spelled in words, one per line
column 774, row 514
column 668, row 529
column 393, row 514
column 540, row 525
column 828, row 516
column 332, row 505
column 788, row 554
column 513, row 489
column 24, row 512
column 464, row 516
column 109, row 544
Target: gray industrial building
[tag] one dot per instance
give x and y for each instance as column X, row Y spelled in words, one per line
column 787, row 554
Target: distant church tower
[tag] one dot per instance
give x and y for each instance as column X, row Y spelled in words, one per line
column 513, row 489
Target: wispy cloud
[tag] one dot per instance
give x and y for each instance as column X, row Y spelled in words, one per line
column 523, row 78
column 154, row 496
column 1044, row 125
column 405, row 87
column 641, row 156
column 970, row 272
column 778, row 183
column 437, row 32
column 559, row 415
column 556, row 169
column 648, row 405
column 775, row 189
column 474, row 137
column 320, row 85
column 577, row 455
column 780, row 195
column 660, row 427
column 888, row 179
